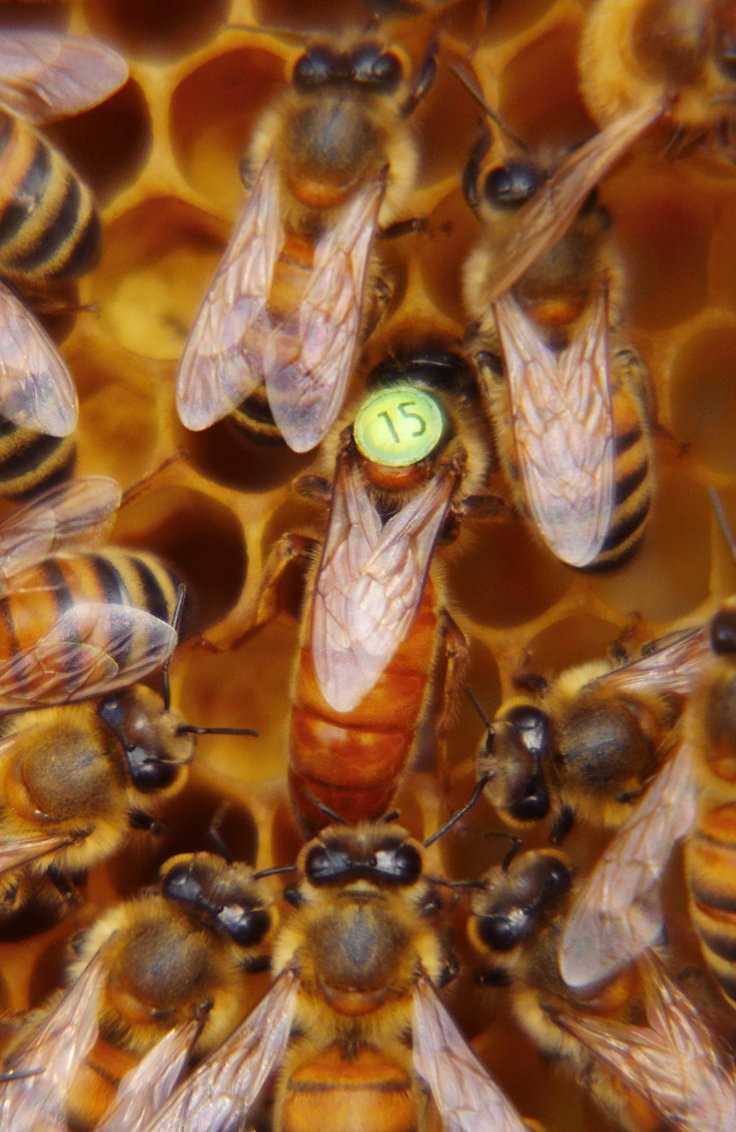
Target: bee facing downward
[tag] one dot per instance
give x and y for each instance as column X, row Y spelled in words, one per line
column 331, row 162
column 49, row 230
column 570, row 405
column 353, row 1018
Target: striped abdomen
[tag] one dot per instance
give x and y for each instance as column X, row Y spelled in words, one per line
column 49, row 228
column 30, row 460
column 37, row 596
column 337, row 1093
column 633, row 461
column 352, row 762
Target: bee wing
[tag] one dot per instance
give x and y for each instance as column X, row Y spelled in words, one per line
column 539, row 224
column 617, row 912
column 221, row 1090
column 81, row 511
column 561, row 418
column 36, row 389
column 223, row 359
column 312, row 359
column 672, row 667
column 15, row 852
column 466, row 1095
column 46, row 75
column 677, row 1062
column 144, row 1089
column 56, row 1047
column 370, row 582
column 91, row 650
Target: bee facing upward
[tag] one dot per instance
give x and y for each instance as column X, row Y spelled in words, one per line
column 375, row 625
column 171, row 963
column 49, row 230
column 678, row 52
column 570, row 404
column 353, row 1019
column 331, row 162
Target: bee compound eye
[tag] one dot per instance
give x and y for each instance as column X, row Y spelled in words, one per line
column 723, row 632
column 508, row 186
column 313, row 68
column 245, row 925
column 399, row 426
column 182, row 883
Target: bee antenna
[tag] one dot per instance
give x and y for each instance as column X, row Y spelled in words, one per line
column 456, row 883
column 181, row 594
column 215, row 838
column 492, row 114
column 516, row 844
column 392, row 815
column 274, row 871
column 19, row 1074
column 142, row 486
column 190, row 729
column 481, row 712
column 477, row 791
column 287, row 34
column 325, row 809
column 723, row 524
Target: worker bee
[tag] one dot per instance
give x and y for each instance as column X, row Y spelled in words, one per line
column 618, row 911
column 676, row 51
column 331, row 162
column 356, row 970
column 49, row 230
column 516, row 922
column 374, row 624
column 676, row 1061
column 594, row 739
column 570, row 405
column 170, row 962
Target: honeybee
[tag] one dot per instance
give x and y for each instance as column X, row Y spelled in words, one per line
column 77, row 623
column 679, row 52
column 169, row 962
column 618, row 911
column 516, row 923
column 355, row 973
column 570, row 405
column 677, row 1061
column 49, row 230
column 374, row 624
column 595, row 738
column 331, row 162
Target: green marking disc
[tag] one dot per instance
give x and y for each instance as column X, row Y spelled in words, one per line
column 399, row 426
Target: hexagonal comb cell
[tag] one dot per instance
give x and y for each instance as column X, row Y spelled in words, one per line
column 163, row 155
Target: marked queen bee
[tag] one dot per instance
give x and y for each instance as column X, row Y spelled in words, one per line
column 331, row 163
column 49, row 230
column 156, row 980
column 356, row 969
column 569, row 404
column 375, row 626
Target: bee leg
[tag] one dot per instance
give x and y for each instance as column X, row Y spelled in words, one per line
column 66, row 889
column 425, row 78
column 471, row 172
column 563, row 823
column 401, row 228
column 138, row 819
column 455, row 652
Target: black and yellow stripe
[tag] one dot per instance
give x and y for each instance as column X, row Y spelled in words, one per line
column 49, row 228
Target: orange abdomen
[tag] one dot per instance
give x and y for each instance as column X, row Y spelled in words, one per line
column 95, row 1085
column 710, row 866
column 363, row 1093
column 352, row 762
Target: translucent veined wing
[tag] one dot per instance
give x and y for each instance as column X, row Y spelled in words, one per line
column 312, row 356
column 677, row 1062
column 672, row 666
column 57, row 1047
column 36, row 389
column 47, row 75
column 78, row 513
column 617, row 911
column 467, row 1097
column 563, row 428
column 370, row 582
column 15, row 852
column 144, row 1089
column 223, row 360
column 540, row 223
column 92, row 649
column 221, row 1090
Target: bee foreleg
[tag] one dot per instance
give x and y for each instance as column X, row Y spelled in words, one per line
column 454, row 647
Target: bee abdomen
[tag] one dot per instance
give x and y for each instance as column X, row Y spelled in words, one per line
column 710, row 860
column 632, row 479
column 30, row 460
column 49, row 228
column 333, row 1094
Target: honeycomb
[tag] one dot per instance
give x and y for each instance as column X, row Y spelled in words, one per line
column 163, row 157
